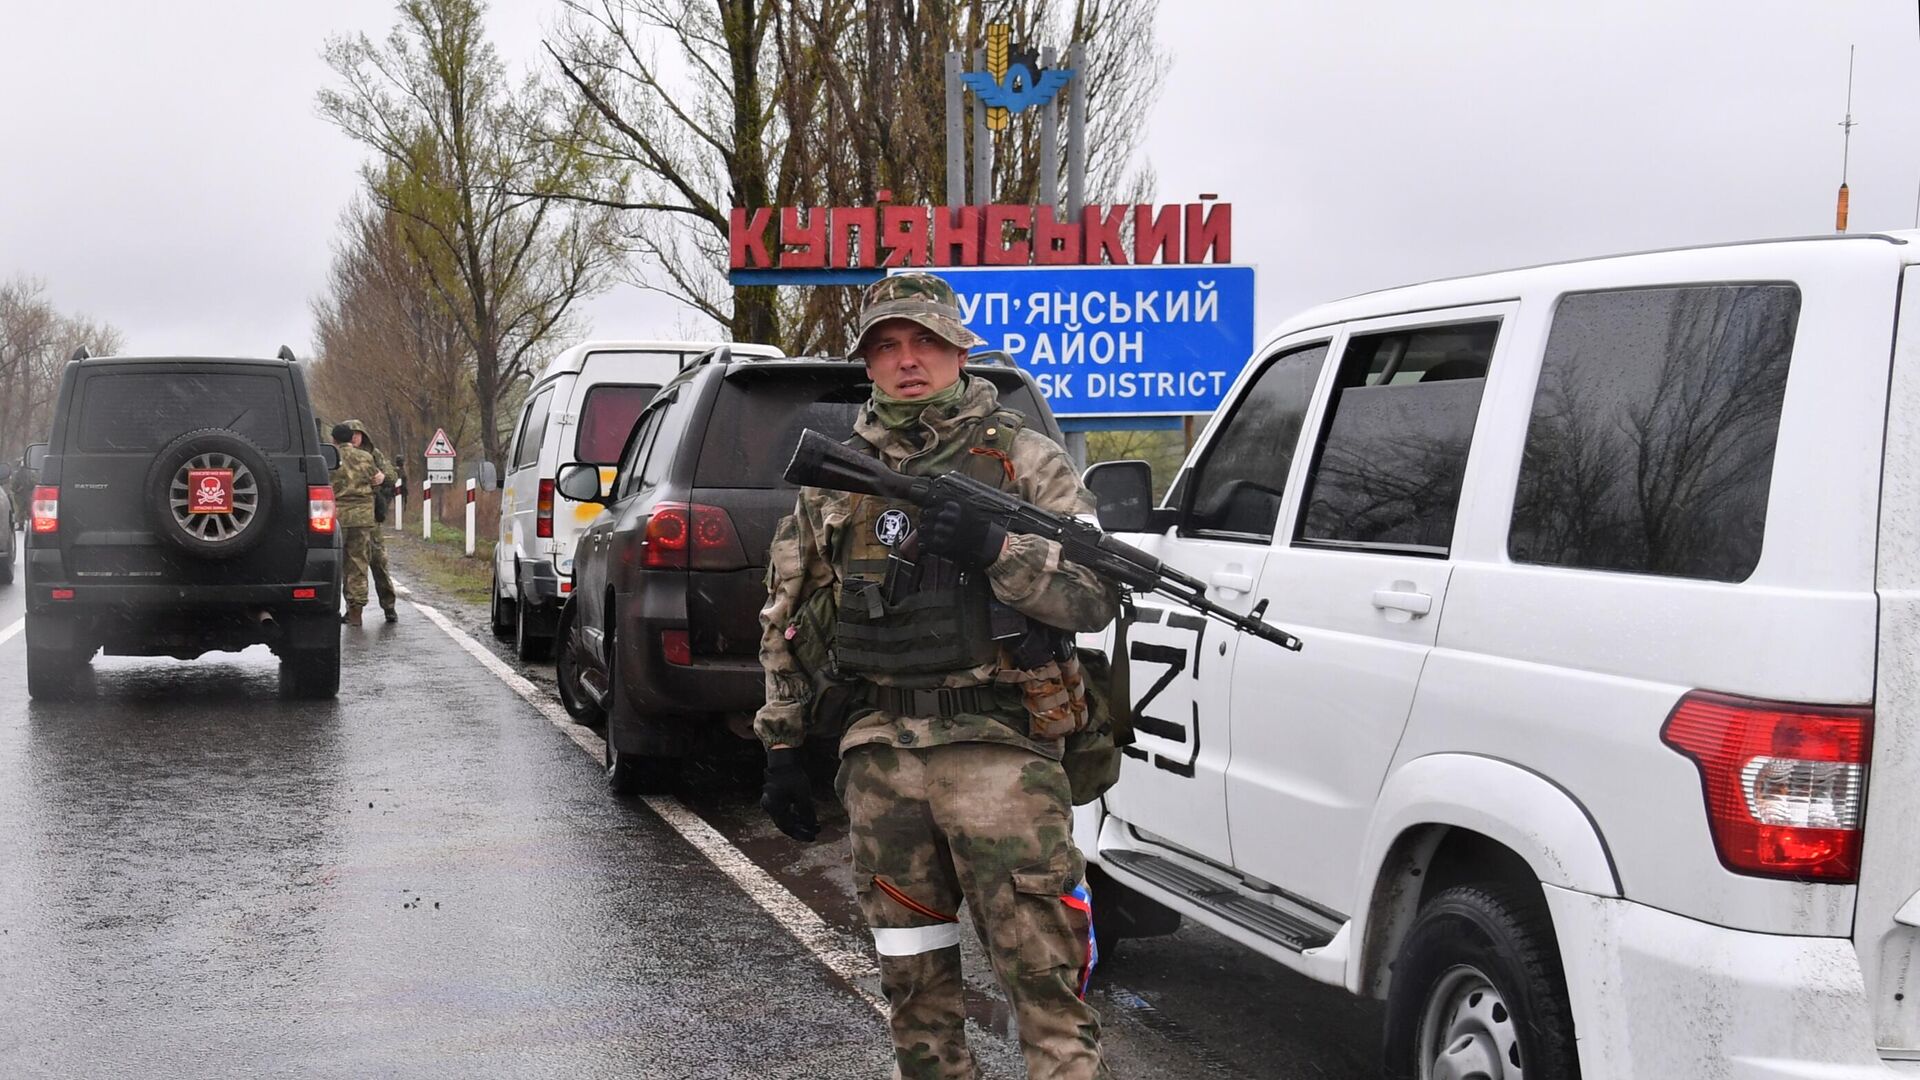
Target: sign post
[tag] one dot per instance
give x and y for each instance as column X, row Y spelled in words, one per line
column 470, row 510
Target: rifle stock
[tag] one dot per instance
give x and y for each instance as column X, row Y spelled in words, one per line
column 823, row 463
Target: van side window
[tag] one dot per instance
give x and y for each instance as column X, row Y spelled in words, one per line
column 533, row 431
column 606, row 419
column 1237, row 487
column 1394, row 447
column 1650, row 450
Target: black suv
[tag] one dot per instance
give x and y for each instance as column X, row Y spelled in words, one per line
column 184, row 507
column 662, row 634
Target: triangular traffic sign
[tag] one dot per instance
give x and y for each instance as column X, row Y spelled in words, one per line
column 439, row 445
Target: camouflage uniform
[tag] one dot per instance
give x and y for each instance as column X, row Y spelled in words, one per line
column 377, row 546
column 353, row 509
column 969, row 807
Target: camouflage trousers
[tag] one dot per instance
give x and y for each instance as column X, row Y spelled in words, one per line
column 991, row 824
column 365, row 550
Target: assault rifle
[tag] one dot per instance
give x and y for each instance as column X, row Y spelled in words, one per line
column 823, row 463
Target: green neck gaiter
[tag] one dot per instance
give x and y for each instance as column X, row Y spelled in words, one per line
column 896, row 413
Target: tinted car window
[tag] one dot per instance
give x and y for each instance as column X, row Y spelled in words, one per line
column 664, row 440
column 606, row 419
column 1237, row 488
column 1395, row 447
column 637, row 452
column 145, row 412
column 533, row 431
column 1651, row 445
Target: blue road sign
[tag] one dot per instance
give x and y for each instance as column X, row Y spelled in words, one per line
column 1116, row 340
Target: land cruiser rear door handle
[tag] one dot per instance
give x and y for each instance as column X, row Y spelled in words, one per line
column 1415, row 604
column 1232, row 582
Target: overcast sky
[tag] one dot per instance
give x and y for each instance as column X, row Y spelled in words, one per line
column 163, row 166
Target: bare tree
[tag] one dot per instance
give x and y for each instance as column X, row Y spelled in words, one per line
column 390, row 353
column 759, row 103
column 35, row 341
column 459, row 166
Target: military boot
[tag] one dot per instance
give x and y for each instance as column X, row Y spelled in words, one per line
column 352, row 617
column 393, row 615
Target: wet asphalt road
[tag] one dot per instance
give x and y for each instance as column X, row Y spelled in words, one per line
column 428, row 878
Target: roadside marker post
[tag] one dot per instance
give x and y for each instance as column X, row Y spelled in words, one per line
column 470, row 517
column 399, row 508
column 426, row 509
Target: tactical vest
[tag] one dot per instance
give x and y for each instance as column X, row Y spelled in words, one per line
column 917, row 623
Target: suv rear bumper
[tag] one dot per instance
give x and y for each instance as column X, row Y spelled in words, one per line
column 1658, row 994
column 710, row 684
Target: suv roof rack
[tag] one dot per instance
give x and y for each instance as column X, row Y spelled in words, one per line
column 79, row 353
column 287, row 354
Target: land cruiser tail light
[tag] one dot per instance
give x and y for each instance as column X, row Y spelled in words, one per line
column 320, row 508
column 543, row 511
column 1785, row 784
column 683, row 536
column 46, row 510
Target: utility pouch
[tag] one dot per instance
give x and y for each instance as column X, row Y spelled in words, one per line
column 933, row 630
column 1092, row 755
column 810, row 640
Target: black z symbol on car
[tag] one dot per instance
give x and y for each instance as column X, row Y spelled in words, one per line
column 1175, row 659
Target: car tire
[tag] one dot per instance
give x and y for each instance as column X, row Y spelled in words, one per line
column 52, row 674
column 526, row 644
column 568, row 652
column 501, row 611
column 256, row 494
column 312, row 674
column 1478, row 989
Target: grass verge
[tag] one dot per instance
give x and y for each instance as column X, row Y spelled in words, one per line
column 443, row 563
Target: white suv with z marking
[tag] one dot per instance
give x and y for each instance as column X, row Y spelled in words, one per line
column 1602, row 755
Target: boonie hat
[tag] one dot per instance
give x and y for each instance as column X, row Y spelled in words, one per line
column 918, row 297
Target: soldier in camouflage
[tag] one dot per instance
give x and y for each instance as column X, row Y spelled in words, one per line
column 953, row 791
column 377, row 548
column 353, row 484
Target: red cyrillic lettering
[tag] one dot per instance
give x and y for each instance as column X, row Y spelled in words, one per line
column 1102, row 233
column 1002, row 219
column 956, row 228
column 842, row 251
column 803, row 247
column 1156, row 236
column 747, row 237
column 1214, row 234
column 903, row 235
column 1054, row 243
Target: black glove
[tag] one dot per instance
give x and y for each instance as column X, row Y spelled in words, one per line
column 960, row 534
column 787, row 796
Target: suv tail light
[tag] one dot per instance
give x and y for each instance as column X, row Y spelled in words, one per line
column 320, row 508
column 46, row 510
column 683, row 536
column 1785, row 784
column 543, row 511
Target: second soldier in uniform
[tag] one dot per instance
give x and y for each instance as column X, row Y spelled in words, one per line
column 953, row 785
column 353, row 484
column 382, row 497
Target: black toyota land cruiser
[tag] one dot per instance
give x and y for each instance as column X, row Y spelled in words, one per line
column 184, row 508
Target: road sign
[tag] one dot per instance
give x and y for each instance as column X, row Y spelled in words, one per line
column 440, row 475
column 439, row 446
column 1109, row 341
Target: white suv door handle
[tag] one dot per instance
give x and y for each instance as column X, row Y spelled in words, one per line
column 1223, row 579
column 1415, row 604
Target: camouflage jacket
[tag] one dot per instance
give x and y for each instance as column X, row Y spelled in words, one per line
column 380, row 461
column 1029, row 576
column 353, row 488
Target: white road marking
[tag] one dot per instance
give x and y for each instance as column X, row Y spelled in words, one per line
column 805, row 925
column 19, row 624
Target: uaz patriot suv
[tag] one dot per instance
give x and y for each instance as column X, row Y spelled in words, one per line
column 184, row 508
column 662, row 634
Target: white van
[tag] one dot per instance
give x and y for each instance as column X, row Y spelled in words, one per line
column 1602, row 753
column 582, row 408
